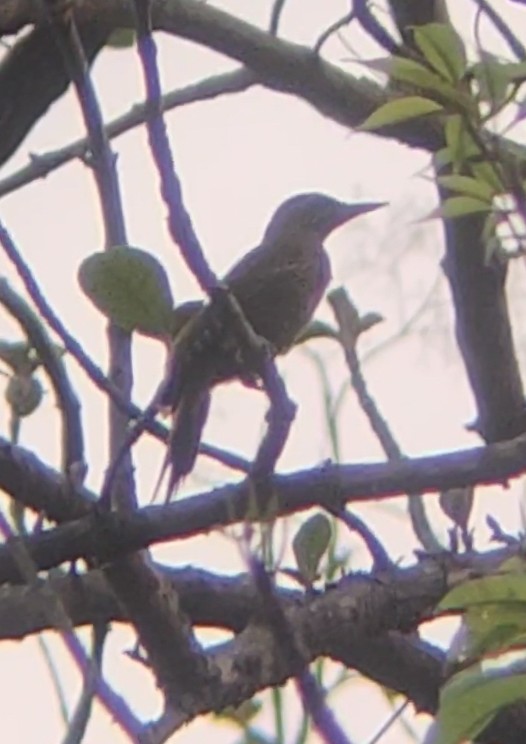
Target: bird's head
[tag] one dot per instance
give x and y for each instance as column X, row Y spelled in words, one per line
column 314, row 214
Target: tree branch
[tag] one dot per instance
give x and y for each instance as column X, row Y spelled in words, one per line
column 360, row 622
column 73, row 463
column 42, row 165
column 351, row 326
column 107, row 536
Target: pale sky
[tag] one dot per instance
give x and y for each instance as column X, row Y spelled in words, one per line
column 237, row 158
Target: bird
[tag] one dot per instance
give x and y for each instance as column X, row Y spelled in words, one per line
column 278, row 286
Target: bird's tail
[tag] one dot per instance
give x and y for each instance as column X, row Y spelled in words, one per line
column 188, row 421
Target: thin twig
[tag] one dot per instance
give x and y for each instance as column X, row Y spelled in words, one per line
column 312, row 696
column 106, row 179
column 386, row 725
column 68, row 40
column 92, row 676
column 332, row 29
column 19, row 529
column 60, row 620
column 70, row 343
column 132, row 436
column 349, row 323
column 56, row 682
column 280, row 416
column 179, row 222
column 375, row 29
column 257, row 355
column 381, row 559
column 174, row 654
column 498, row 534
column 42, row 165
column 275, row 16
column 112, row 701
column 514, row 43
column 282, row 410
column 235, row 462
column 68, row 403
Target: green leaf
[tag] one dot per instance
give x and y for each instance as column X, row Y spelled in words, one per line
column 495, row 628
column 242, row 714
column 460, row 142
column 22, row 358
column 457, row 503
column 486, row 173
column 131, row 288
column 509, row 586
column 18, row 356
column 470, row 700
column 23, row 394
column 443, row 48
column 409, row 71
column 468, row 186
column 401, row 109
column 459, row 206
column 310, row 543
column 494, row 611
column 493, row 80
column 316, row 329
column 421, row 78
column 515, row 150
column 442, row 158
column 516, row 71
column 121, row 38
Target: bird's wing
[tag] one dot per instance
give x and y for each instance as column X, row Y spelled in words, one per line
column 281, row 296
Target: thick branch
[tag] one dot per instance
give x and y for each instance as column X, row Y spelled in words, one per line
column 280, row 65
column 358, row 623
column 32, row 76
column 483, row 330
column 109, row 536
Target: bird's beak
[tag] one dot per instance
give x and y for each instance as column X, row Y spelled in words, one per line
column 350, row 211
column 342, row 212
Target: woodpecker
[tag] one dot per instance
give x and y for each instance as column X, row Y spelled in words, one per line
column 278, row 286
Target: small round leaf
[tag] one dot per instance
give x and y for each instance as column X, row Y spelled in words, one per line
column 310, row 543
column 17, row 355
column 457, row 503
column 130, row 287
column 23, row 394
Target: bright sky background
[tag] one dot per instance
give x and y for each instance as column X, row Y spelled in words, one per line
column 238, row 157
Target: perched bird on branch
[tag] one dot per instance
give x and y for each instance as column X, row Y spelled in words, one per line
column 278, row 286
